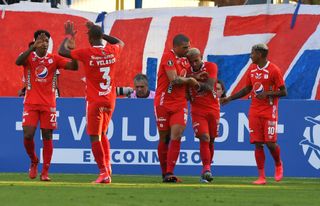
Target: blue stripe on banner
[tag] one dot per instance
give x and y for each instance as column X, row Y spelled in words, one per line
column 229, row 66
column 152, row 72
column 302, row 77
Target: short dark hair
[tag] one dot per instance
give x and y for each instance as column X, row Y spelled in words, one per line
column 262, row 49
column 141, row 77
column 179, row 39
column 95, row 32
column 40, row 31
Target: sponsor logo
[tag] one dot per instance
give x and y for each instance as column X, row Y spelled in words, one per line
column 258, row 75
column 258, row 88
column 170, row 63
column 311, row 142
column 41, row 72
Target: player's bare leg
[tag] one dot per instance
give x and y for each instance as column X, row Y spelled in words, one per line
column 205, row 156
column 163, row 150
column 98, row 153
column 260, row 160
column 275, row 152
column 28, row 134
column 173, row 152
column 46, row 153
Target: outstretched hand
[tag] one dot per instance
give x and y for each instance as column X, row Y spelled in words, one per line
column 69, row 28
column 39, row 41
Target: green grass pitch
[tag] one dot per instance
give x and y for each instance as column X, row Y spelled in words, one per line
column 76, row 189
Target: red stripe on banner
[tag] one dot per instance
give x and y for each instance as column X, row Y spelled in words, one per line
column 17, row 30
column 280, row 53
column 318, row 92
column 133, row 33
column 196, row 28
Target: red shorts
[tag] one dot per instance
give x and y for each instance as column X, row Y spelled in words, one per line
column 98, row 117
column 167, row 117
column 32, row 114
column 262, row 129
column 206, row 123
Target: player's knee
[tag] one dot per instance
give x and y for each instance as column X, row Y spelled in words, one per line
column 204, row 138
column 46, row 134
column 28, row 135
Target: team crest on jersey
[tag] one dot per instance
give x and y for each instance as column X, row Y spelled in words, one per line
column 258, row 75
column 170, row 63
column 258, row 88
column 41, row 72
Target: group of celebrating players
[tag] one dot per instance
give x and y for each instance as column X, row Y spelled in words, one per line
column 183, row 76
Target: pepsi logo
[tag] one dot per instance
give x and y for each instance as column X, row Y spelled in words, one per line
column 41, row 72
column 258, row 88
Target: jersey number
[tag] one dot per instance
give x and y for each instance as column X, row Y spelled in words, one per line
column 271, row 130
column 105, row 85
column 53, row 118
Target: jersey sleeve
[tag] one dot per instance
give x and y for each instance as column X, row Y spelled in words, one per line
column 114, row 48
column 61, row 62
column 77, row 54
column 168, row 63
column 213, row 71
column 248, row 76
column 278, row 78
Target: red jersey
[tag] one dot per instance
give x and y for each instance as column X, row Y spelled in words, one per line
column 41, row 78
column 171, row 96
column 204, row 101
column 99, row 62
column 268, row 78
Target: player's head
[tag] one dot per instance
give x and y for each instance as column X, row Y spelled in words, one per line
column 43, row 37
column 221, row 89
column 181, row 45
column 141, row 85
column 95, row 35
column 40, row 31
column 258, row 52
column 195, row 58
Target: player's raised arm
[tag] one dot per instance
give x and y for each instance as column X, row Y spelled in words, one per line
column 68, row 42
column 21, row 60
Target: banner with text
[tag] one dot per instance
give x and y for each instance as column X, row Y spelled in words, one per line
column 134, row 139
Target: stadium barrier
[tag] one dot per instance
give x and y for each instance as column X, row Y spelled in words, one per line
column 133, row 137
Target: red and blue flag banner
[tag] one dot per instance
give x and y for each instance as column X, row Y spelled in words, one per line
column 225, row 35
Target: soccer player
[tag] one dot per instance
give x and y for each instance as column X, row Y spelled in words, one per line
column 40, row 101
column 205, row 108
column 265, row 82
column 99, row 64
column 141, row 87
column 171, row 104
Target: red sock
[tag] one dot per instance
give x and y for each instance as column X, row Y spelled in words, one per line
column 260, row 158
column 205, row 156
column 162, row 154
column 173, row 153
column 211, row 147
column 29, row 146
column 276, row 156
column 106, row 149
column 98, row 154
column 47, row 153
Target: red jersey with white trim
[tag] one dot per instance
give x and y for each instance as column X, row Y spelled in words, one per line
column 268, row 78
column 99, row 66
column 203, row 101
column 171, row 96
column 41, row 78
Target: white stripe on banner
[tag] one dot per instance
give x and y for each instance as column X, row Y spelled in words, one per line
column 149, row 157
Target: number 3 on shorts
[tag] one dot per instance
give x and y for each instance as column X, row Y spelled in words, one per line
column 105, row 76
